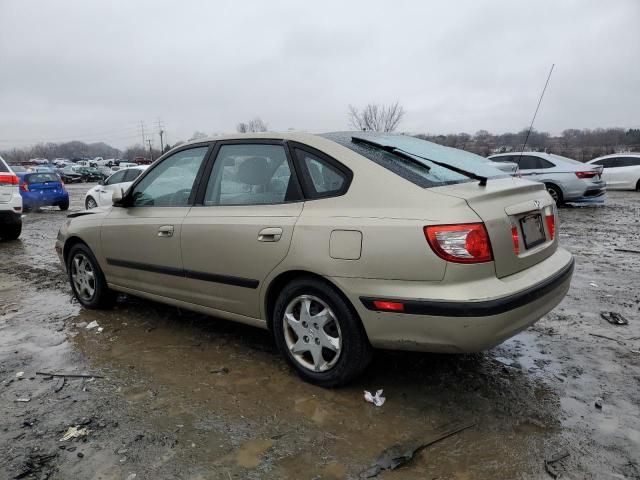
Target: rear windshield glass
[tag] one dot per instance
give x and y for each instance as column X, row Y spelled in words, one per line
column 422, row 172
column 42, row 177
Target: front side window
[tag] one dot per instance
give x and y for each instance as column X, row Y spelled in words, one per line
column 170, row 183
column 251, row 174
column 117, row 177
column 131, row 174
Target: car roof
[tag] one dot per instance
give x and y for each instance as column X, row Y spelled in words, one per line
column 616, row 155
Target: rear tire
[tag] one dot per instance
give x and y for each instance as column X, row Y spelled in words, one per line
column 12, row 232
column 87, row 280
column 555, row 193
column 326, row 345
column 638, row 186
column 64, row 205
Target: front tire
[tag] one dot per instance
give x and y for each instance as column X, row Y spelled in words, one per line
column 90, row 203
column 555, row 193
column 319, row 334
column 87, row 280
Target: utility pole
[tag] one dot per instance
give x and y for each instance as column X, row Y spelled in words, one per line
column 150, row 151
column 161, row 132
column 142, row 129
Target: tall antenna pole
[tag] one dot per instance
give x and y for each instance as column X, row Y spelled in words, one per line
column 536, row 112
column 150, row 151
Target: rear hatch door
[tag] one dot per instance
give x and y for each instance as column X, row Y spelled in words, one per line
column 506, row 203
column 47, row 184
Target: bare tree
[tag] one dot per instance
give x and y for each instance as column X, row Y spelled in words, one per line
column 197, row 135
column 255, row 125
column 378, row 118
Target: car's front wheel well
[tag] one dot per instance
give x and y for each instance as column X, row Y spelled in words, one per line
column 278, row 283
column 70, row 242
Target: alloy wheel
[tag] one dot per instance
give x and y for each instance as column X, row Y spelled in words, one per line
column 312, row 333
column 91, row 203
column 83, row 277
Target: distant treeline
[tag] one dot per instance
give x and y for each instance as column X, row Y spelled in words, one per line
column 581, row 145
column 75, row 149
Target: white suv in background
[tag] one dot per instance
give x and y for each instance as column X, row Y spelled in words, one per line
column 621, row 170
column 100, row 195
column 10, row 203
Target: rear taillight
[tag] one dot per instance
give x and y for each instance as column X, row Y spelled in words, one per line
column 516, row 239
column 550, row 218
column 8, row 179
column 589, row 174
column 24, row 187
column 463, row 243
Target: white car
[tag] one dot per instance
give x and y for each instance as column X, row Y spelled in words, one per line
column 100, row 195
column 621, row 170
column 10, row 203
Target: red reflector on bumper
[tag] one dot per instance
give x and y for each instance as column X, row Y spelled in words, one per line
column 388, row 306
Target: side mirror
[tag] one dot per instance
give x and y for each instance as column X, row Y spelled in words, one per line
column 116, row 197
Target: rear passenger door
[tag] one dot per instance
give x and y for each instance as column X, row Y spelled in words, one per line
column 241, row 226
column 534, row 168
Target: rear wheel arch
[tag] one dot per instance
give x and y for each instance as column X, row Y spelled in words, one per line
column 283, row 279
column 638, row 185
column 557, row 188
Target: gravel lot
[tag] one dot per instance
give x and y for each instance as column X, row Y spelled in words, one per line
column 181, row 395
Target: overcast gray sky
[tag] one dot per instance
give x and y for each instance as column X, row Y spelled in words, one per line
column 92, row 70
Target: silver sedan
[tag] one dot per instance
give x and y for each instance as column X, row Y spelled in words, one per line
column 567, row 180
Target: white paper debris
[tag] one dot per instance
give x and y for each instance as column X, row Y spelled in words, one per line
column 92, row 325
column 593, row 284
column 100, row 329
column 19, row 374
column 377, row 399
column 74, row 432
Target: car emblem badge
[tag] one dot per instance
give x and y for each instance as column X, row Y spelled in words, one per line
column 536, row 203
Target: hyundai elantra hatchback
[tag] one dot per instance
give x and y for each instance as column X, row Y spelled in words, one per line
column 335, row 243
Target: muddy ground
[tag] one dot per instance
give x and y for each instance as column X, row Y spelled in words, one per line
column 179, row 395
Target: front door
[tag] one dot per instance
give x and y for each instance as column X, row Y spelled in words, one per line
column 242, row 225
column 141, row 242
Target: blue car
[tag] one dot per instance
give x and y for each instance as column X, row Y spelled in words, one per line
column 42, row 189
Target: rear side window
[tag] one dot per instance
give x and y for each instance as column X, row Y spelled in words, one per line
column 529, row 162
column 321, row 178
column 42, row 178
column 251, row 174
column 504, row 158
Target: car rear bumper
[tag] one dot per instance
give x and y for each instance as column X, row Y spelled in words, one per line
column 591, row 195
column 459, row 325
column 36, row 200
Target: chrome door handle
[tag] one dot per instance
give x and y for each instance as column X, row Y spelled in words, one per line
column 165, row 231
column 270, row 234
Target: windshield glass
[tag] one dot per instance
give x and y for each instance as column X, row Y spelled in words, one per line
column 422, row 172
